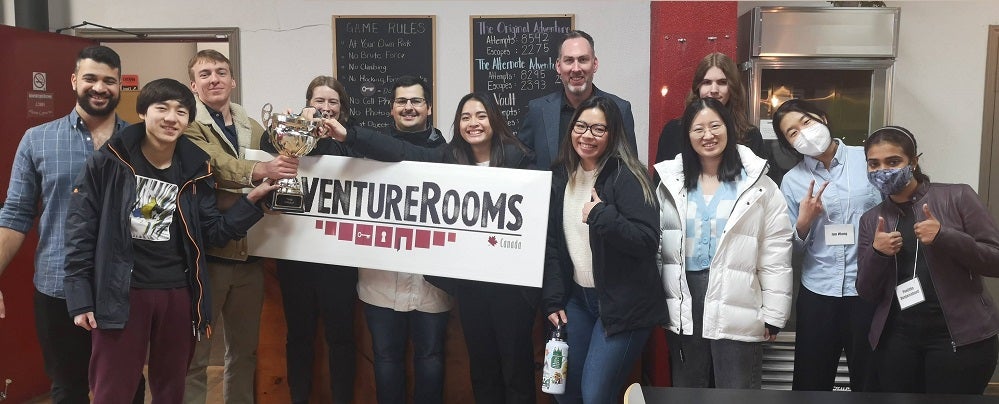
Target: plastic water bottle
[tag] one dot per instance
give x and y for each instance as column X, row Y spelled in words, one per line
column 556, row 363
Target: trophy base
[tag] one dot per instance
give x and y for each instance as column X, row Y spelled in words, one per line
column 286, row 202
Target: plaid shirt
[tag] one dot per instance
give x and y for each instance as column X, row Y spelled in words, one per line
column 48, row 160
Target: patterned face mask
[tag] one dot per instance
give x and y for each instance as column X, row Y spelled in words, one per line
column 890, row 181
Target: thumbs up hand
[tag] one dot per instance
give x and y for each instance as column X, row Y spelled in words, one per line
column 926, row 230
column 885, row 242
column 587, row 207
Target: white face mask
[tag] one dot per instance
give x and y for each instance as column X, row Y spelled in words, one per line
column 813, row 140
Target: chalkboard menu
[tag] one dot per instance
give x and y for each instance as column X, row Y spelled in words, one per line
column 513, row 59
column 371, row 52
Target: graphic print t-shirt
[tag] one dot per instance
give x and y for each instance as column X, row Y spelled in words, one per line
column 154, row 223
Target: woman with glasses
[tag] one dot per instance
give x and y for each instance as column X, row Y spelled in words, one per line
column 497, row 319
column 725, row 254
column 826, row 193
column 601, row 279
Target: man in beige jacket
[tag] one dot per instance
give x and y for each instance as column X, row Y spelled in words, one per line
column 223, row 129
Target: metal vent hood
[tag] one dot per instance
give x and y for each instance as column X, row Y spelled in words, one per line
column 827, row 32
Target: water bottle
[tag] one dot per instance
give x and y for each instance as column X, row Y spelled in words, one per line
column 556, row 363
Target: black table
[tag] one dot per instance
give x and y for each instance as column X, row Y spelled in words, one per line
column 675, row 395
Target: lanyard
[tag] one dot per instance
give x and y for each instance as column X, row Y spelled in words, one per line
column 915, row 257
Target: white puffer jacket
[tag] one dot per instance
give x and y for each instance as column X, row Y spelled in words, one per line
column 750, row 279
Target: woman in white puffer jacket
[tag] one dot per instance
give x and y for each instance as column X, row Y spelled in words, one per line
column 725, row 254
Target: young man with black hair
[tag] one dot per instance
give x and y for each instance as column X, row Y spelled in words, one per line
column 141, row 214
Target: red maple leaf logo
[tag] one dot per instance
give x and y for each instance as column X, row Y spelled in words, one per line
column 492, row 240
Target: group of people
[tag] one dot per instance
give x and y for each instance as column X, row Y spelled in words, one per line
column 133, row 258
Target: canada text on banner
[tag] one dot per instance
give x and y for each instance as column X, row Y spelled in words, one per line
column 479, row 223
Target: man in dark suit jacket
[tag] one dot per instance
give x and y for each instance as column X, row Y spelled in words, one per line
column 547, row 119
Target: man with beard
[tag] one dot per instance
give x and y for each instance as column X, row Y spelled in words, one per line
column 547, row 119
column 223, row 130
column 47, row 161
column 399, row 305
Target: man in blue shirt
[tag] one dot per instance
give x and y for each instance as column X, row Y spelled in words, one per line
column 47, row 161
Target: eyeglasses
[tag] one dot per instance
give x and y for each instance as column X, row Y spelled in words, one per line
column 597, row 129
column 416, row 101
column 714, row 127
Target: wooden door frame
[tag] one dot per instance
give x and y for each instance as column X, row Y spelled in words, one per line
column 989, row 115
column 229, row 35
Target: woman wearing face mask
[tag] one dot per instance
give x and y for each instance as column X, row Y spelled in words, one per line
column 922, row 255
column 312, row 291
column 716, row 77
column 826, row 193
column 725, row 254
column 497, row 319
column 601, row 279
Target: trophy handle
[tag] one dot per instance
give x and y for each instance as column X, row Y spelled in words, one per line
column 265, row 115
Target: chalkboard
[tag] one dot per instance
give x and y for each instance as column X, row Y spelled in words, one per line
column 371, row 52
column 513, row 59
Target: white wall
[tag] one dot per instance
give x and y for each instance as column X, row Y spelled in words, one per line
column 287, row 43
column 940, row 83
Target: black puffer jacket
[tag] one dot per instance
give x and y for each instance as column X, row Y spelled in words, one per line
column 99, row 254
column 624, row 239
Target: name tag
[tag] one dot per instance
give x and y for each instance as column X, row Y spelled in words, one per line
column 909, row 293
column 840, row 234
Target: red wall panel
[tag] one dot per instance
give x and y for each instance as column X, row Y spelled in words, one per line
column 679, row 40
column 25, row 53
column 682, row 33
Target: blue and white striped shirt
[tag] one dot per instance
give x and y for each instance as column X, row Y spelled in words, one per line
column 707, row 216
column 47, row 162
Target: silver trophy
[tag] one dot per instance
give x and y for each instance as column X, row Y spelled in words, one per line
column 291, row 135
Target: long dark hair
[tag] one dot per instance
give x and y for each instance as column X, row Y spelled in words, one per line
column 905, row 140
column 502, row 135
column 737, row 102
column 802, row 107
column 617, row 145
column 731, row 164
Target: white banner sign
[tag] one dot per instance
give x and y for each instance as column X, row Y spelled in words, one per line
column 479, row 223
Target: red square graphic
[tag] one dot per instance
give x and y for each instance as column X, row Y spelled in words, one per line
column 451, row 237
column 319, row 224
column 383, row 236
column 422, row 239
column 364, row 234
column 330, row 228
column 346, row 232
column 403, row 235
column 439, row 237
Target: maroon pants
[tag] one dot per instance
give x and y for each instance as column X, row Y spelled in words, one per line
column 159, row 322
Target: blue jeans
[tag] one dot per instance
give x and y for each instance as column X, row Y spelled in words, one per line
column 598, row 363
column 389, row 331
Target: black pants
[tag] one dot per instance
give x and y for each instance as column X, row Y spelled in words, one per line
column 922, row 360
column 309, row 292
column 66, row 352
column 827, row 326
column 498, row 321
